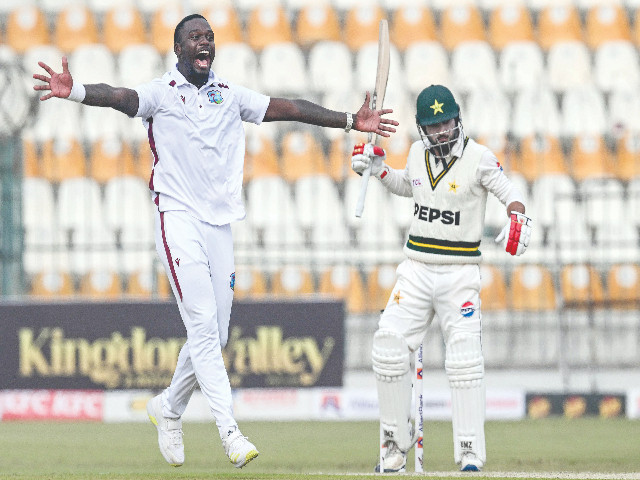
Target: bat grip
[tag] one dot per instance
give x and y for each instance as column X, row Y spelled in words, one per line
column 364, row 182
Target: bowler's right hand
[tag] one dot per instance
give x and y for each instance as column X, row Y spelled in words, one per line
column 59, row 84
column 365, row 155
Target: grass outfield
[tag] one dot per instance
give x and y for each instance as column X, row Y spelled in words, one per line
column 296, row 450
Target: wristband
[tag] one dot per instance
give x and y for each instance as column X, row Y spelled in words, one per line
column 347, row 128
column 78, row 92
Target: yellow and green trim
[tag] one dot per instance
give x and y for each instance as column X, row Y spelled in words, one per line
column 443, row 247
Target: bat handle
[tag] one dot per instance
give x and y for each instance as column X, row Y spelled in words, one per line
column 364, row 182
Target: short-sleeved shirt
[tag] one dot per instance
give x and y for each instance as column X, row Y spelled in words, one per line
column 198, row 143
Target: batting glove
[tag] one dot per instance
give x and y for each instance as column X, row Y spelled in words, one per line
column 516, row 234
column 365, row 155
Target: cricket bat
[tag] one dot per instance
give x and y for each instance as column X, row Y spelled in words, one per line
column 382, row 75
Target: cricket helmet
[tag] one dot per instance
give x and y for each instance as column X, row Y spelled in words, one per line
column 436, row 104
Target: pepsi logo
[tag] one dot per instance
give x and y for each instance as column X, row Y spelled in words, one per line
column 467, row 309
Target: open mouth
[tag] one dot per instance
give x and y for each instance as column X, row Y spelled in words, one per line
column 203, row 58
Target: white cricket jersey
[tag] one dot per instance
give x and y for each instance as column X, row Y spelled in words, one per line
column 449, row 201
column 198, row 143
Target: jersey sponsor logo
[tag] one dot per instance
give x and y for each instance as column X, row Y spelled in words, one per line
column 500, row 166
column 467, row 309
column 215, row 96
column 447, row 217
column 416, row 182
column 232, row 281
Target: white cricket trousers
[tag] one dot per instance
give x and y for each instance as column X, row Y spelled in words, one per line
column 198, row 259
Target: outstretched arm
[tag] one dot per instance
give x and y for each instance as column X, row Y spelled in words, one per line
column 101, row 95
column 366, row 120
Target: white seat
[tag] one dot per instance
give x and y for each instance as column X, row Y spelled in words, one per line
column 48, row 54
column 79, row 204
column 103, row 6
column 583, row 112
column 150, row 6
column 17, row 93
column 535, row 111
column 545, row 190
column 325, row 79
column 269, row 202
column 317, row 201
column 365, row 60
column 616, row 66
column 237, row 62
column 473, row 65
column 568, row 66
column 38, row 203
column 138, row 64
column 56, row 6
column 426, row 63
column 100, row 124
column 633, row 201
column 480, row 121
column 48, row 126
column 624, row 110
column 93, row 64
column 283, row 70
column 521, row 66
column 128, row 209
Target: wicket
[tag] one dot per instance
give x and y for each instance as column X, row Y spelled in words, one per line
column 418, row 418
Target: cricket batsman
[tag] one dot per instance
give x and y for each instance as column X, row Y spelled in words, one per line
column 449, row 176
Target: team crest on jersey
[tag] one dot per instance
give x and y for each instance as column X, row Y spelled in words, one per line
column 215, row 96
column 232, row 281
column 467, row 309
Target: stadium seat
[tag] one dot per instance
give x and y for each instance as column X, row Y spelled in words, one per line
column 628, row 157
column 583, row 112
column 100, row 124
column 9, row 6
column 225, row 24
column 251, row 283
column 590, row 157
column 148, row 283
column 93, row 63
column 102, row 7
column 606, row 23
column 473, row 66
column 79, row 203
column 164, row 19
column 532, row 288
column 292, row 281
column 494, row 288
column 38, row 203
column 460, row 24
column 261, row 159
column 283, row 70
column 581, row 286
column 302, row 156
column 480, row 121
column 623, row 286
column 318, row 204
column 62, row 159
column 75, row 25
column 52, row 284
column 426, row 63
column 110, row 158
column 508, row 24
column 535, row 112
column 138, row 64
column 269, row 201
column 340, row 152
column 396, row 148
column 559, row 24
column 266, row 25
column 624, row 112
column 100, row 284
column 238, row 63
column 411, row 24
column 361, row 26
column 345, row 283
column 521, row 66
column 546, row 190
column 323, row 79
column 317, row 23
column 30, row 158
column 26, row 27
column 380, row 283
column 123, row 26
column 616, row 66
column 568, row 66
column 128, row 211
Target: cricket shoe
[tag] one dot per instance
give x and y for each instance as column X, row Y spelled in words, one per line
column 238, row 448
column 169, row 433
column 394, row 460
column 470, row 463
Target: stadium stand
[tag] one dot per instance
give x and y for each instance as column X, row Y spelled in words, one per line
column 509, row 24
column 411, row 24
column 559, row 23
column 26, row 27
column 460, row 24
column 123, row 26
column 317, row 23
column 345, row 282
column 361, row 25
column 267, row 24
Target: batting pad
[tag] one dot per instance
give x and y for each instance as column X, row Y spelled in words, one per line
column 465, row 368
column 392, row 368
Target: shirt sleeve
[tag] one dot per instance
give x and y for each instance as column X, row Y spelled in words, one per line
column 492, row 177
column 253, row 105
column 150, row 96
column 396, row 181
